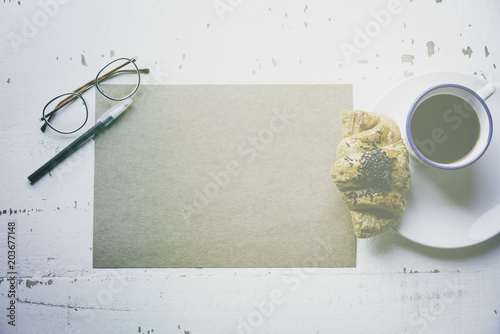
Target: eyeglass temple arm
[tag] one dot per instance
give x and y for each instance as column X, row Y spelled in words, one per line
column 82, row 89
column 89, row 84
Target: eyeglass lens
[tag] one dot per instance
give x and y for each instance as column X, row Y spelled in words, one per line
column 118, row 80
column 70, row 118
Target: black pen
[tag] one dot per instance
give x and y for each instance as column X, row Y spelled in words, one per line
column 101, row 124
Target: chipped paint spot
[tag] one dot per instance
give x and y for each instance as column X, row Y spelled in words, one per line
column 486, row 52
column 406, row 58
column 435, row 271
column 8, row 81
column 306, row 24
column 430, row 48
column 439, row 1
column 408, row 74
column 482, row 74
column 467, row 51
column 10, row 212
column 30, row 283
column 84, row 62
column 363, row 61
column 274, row 62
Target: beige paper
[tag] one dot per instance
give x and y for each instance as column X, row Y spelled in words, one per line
column 222, row 176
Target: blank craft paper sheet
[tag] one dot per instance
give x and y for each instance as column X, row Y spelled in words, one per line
column 237, row 176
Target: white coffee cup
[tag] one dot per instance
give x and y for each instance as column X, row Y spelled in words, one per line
column 449, row 126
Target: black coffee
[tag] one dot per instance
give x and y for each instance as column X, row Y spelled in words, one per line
column 444, row 128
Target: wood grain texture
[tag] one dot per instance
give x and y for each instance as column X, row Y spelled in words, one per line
column 393, row 289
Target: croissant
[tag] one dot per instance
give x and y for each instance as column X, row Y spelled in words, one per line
column 372, row 171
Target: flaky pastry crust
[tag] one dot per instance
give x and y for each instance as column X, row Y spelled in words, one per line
column 372, row 171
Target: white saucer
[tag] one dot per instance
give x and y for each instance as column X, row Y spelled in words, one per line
column 448, row 209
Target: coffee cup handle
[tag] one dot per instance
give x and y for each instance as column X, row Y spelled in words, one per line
column 486, row 91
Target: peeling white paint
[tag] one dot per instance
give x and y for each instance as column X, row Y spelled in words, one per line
column 60, row 291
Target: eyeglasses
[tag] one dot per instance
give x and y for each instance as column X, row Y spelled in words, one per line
column 76, row 112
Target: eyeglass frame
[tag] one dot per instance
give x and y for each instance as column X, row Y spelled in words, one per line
column 77, row 93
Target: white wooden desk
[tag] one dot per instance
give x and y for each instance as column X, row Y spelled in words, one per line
column 49, row 47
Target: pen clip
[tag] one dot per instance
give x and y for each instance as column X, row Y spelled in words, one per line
column 115, row 111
